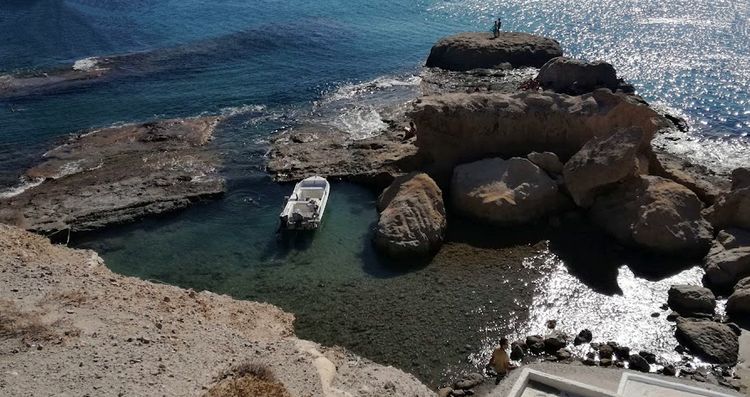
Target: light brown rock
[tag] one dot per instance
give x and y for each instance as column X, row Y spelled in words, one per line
column 733, row 209
column 412, row 219
column 655, row 214
column 728, row 261
column 459, row 128
column 575, row 77
column 505, row 191
column 602, row 162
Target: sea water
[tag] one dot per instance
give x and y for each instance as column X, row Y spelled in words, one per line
column 268, row 65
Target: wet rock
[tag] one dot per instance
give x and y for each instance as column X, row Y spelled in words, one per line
column 733, row 209
column 479, row 50
column 563, row 354
column 690, row 300
column 412, row 219
column 459, row 128
column 585, row 336
column 622, row 352
column 469, row 381
column 535, row 344
column 575, row 77
column 547, row 161
column 505, row 191
column 638, row 363
column 517, row 351
column 669, row 370
column 602, row 162
column 712, row 341
column 728, row 261
column 679, row 122
column 738, row 304
column 655, row 214
column 735, row 328
column 555, row 341
column 606, row 351
column 673, row 316
column 650, row 357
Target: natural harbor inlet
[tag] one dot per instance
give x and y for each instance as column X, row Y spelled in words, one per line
column 430, row 198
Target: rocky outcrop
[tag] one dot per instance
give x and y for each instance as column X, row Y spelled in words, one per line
column 80, row 327
column 466, row 51
column 334, row 154
column 738, row 304
column 712, row 341
column 576, row 77
column 601, row 163
column 728, row 261
column 118, row 174
column 733, row 209
column 691, row 300
column 704, row 182
column 655, row 214
column 505, row 191
column 547, row 161
column 412, row 219
column 459, row 128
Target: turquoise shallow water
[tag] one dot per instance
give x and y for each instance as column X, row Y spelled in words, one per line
column 272, row 64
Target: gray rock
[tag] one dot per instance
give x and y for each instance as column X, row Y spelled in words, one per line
column 444, row 392
column 728, row 261
column 622, row 352
column 563, row 354
column 606, row 351
column 466, row 51
column 575, row 77
column 605, row 362
column 547, row 161
column 469, row 381
column 535, row 344
column 669, row 370
column 712, row 341
column 689, row 300
column 555, row 341
column 650, row 357
column 638, row 363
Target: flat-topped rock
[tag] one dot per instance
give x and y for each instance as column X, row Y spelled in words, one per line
column 477, row 50
column 115, row 175
column 575, row 77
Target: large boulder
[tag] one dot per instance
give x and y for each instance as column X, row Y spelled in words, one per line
column 547, row 161
column 703, row 181
column 575, row 77
column 733, row 209
column 412, row 220
column 712, row 341
column 505, row 191
column 691, row 300
column 728, row 261
column 738, row 304
column 602, row 162
column 656, row 214
column 459, row 128
column 478, row 50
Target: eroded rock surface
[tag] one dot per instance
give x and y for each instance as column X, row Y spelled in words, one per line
column 459, row 128
column 655, row 214
column 712, row 341
column 728, row 261
column 505, row 191
column 118, row 174
column 575, row 77
column 703, row 181
column 479, row 50
column 412, row 219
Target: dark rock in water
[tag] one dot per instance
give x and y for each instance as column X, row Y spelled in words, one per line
column 469, row 381
column 712, row 341
column 728, row 261
column 679, row 122
column 606, row 351
column 517, row 351
column 650, row 357
column 412, row 219
column 535, row 344
column 605, row 362
column 555, row 341
column 690, row 300
column 655, row 214
column 673, row 316
column 638, row 363
column 585, row 336
column 118, row 174
column 575, row 77
column 735, row 328
column 669, row 370
column 622, row 352
column 466, row 51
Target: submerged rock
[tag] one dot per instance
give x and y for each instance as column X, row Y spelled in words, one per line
column 505, row 191
column 117, row 174
column 712, row 341
column 602, row 162
column 656, row 214
column 729, row 259
column 575, row 77
column 479, row 50
column 412, row 219
column 460, row 128
column 691, row 300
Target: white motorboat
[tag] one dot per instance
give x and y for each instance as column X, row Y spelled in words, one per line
column 305, row 207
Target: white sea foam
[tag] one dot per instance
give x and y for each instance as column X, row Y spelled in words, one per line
column 86, row 64
column 351, row 91
column 360, row 122
column 24, row 186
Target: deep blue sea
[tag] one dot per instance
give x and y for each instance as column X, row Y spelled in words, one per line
column 273, row 64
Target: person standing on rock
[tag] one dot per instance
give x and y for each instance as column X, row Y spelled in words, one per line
column 500, row 361
column 496, row 28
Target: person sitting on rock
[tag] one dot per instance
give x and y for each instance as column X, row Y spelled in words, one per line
column 500, row 361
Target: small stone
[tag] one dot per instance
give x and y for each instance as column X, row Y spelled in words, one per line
column 444, row 392
column 650, row 357
column 655, row 314
column 606, row 351
column 469, row 381
column 584, row 336
column 638, row 363
column 622, row 352
column 517, row 351
column 673, row 316
column 605, row 362
column 458, row 393
column 555, row 341
column 535, row 344
column 669, row 370
column 563, row 354
column 551, row 324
